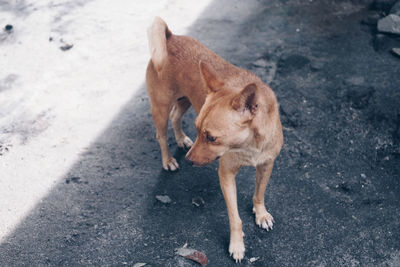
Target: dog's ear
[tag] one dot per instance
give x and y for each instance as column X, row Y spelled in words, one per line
column 246, row 101
column 209, row 76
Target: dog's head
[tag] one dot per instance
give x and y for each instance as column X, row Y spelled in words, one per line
column 224, row 121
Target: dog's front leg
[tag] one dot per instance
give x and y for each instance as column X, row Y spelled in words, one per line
column 227, row 181
column 263, row 218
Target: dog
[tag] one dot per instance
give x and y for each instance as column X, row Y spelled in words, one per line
column 238, row 118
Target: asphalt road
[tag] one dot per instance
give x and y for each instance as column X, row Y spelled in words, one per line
column 335, row 188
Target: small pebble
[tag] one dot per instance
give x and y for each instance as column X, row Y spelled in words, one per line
column 8, row 27
column 315, row 66
column 396, row 51
column 163, row 198
column 253, row 259
column 260, row 63
column 66, row 47
column 198, row 201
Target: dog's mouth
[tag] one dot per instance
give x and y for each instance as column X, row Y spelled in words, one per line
column 199, row 164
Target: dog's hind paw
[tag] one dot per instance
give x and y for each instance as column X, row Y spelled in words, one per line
column 185, row 142
column 171, row 164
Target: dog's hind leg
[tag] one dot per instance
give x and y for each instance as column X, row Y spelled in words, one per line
column 160, row 117
column 178, row 109
column 161, row 103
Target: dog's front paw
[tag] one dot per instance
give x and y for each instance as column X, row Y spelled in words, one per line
column 264, row 219
column 185, row 142
column 170, row 164
column 236, row 246
column 236, row 250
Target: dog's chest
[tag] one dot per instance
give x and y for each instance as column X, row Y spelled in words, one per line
column 251, row 157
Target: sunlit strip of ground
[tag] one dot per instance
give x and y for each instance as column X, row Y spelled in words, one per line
column 54, row 103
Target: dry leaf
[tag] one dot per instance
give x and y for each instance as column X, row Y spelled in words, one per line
column 193, row 254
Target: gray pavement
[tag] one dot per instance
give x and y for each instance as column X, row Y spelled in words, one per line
column 335, row 189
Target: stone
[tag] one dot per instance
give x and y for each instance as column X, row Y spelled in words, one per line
column 8, row 28
column 198, row 201
column 254, row 259
column 316, row 65
column 66, row 47
column 163, row 199
column 396, row 51
column 389, row 24
column 260, row 63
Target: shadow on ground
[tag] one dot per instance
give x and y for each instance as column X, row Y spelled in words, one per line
column 334, row 191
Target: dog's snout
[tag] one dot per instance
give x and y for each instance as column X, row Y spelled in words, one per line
column 191, row 160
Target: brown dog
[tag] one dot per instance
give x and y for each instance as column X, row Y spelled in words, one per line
column 238, row 118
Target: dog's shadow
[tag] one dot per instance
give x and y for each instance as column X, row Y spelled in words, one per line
column 196, row 213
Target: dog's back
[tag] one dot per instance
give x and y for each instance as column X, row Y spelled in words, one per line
column 175, row 59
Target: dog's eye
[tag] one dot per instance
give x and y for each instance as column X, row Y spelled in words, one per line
column 210, row 138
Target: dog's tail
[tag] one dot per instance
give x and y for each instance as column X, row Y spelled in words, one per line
column 158, row 35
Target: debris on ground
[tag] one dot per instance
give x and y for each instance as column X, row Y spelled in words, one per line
column 8, row 28
column 254, row 259
column 389, row 24
column 3, row 149
column 192, row 254
column 66, row 47
column 396, row 51
column 75, row 180
column 163, row 198
column 262, row 63
column 198, row 201
column 316, row 65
